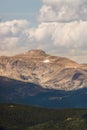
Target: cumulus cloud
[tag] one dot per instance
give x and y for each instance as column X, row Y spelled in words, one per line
column 70, row 35
column 63, row 10
column 10, row 33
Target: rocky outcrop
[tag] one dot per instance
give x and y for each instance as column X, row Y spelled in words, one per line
column 45, row 70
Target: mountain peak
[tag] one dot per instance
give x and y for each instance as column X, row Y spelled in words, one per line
column 48, row 71
column 36, row 53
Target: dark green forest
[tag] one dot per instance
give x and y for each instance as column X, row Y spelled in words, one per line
column 21, row 117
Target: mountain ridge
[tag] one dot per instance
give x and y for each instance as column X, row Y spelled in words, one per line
column 48, row 71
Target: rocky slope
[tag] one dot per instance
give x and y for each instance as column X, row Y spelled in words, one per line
column 45, row 70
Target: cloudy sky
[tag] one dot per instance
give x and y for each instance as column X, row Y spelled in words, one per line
column 57, row 26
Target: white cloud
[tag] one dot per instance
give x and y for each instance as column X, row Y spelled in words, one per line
column 13, row 27
column 8, row 43
column 63, row 10
column 10, row 33
column 70, row 35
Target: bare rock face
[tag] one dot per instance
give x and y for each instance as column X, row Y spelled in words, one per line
column 51, row 72
column 36, row 53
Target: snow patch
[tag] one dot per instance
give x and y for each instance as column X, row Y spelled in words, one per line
column 46, row 61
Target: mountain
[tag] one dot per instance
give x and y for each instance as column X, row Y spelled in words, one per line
column 52, row 72
column 19, row 92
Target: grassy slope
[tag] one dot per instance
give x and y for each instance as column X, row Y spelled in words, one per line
column 18, row 117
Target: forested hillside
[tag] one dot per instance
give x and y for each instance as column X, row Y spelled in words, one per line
column 18, row 117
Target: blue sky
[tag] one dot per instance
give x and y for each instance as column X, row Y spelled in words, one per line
column 19, row 9
column 16, row 6
column 58, row 27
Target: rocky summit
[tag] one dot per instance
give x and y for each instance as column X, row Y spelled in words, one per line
column 52, row 72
